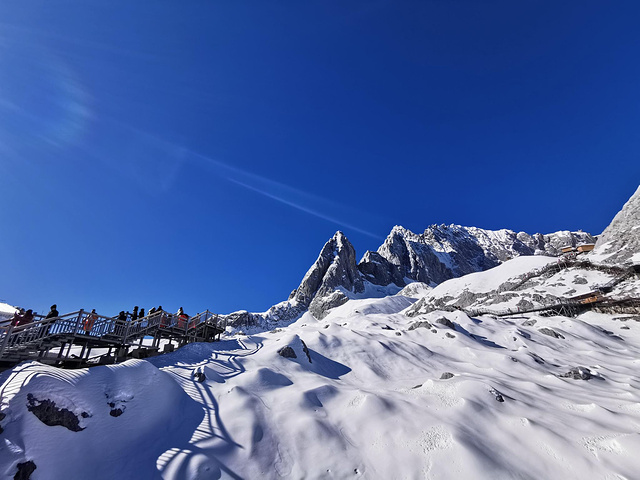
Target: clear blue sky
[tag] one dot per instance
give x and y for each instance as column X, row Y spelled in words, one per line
column 200, row 153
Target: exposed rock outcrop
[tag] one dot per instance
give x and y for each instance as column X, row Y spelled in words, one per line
column 335, row 267
column 578, row 373
column 378, row 270
column 620, row 241
column 25, row 469
column 295, row 348
column 51, row 415
column 287, row 352
column 327, row 284
column 550, row 332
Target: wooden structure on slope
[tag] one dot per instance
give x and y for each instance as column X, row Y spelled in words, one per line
column 589, row 297
column 51, row 340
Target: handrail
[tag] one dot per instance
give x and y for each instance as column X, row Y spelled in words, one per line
column 82, row 324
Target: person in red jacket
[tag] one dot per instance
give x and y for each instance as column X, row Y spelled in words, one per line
column 182, row 318
column 88, row 321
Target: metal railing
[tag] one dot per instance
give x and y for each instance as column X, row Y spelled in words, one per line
column 113, row 331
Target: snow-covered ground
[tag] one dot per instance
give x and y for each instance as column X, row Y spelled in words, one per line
column 6, row 311
column 369, row 401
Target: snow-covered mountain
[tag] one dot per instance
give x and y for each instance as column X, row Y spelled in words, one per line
column 367, row 392
column 440, row 253
column 448, row 251
column 424, row 383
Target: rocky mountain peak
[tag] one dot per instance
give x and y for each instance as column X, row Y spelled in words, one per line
column 445, row 251
column 441, row 252
column 620, row 241
column 334, row 269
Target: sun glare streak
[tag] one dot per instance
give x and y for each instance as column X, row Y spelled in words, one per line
column 43, row 100
column 280, row 192
column 303, row 208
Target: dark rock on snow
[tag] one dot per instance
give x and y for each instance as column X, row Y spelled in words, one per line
column 287, row 352
column 50, row 415
column 446, row 322
column 25, row 470
column 446, row 376
column 551, row 333
column 305, row 349
column 498, row 396
column 420, row 324
column 578, row 373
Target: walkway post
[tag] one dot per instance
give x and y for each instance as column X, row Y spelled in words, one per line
column 6, row 340
column 126, row 332
column 80, row 313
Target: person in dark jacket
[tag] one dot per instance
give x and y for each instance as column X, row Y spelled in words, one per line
column 134, row 315
column 27, row 317
column 122, row 316
column 141, row 314
column 53, row 312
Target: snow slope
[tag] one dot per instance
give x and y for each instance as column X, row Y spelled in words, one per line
column 6, row 311
column 486, row 281
column 370, row 404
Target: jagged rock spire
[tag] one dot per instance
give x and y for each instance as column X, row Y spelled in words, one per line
column 335, row 268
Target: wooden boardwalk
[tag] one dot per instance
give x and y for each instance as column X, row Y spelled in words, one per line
column 566, row 308
column 571, row 308
column 52, row 340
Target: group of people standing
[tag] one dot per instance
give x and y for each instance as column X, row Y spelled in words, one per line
column 22, row 317
column 139, row 313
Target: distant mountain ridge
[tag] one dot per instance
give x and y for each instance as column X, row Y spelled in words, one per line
column 448, row 251
column 440, row 253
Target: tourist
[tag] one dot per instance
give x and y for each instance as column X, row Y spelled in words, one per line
column 53, row 313
column 17, row 317
column 182, row 318
column 26, row 318
column 88, row 321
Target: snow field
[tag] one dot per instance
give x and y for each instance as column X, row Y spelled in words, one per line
column 370, row 404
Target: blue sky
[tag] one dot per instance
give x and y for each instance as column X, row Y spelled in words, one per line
column 200, row 153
